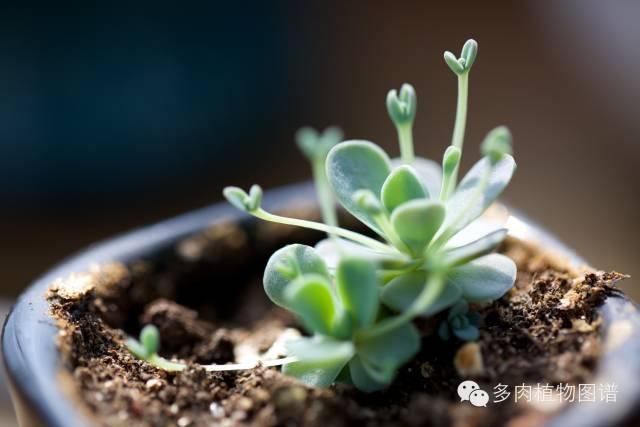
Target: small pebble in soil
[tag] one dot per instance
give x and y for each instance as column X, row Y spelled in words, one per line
column 244, row 404
column 216, row 410
column 183, row 421
column 468, row 360
column 154, row 384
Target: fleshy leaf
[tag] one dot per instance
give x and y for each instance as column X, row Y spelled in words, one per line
column 475, row 249
column 311, row 297
column 243, row 201
column 358, row 288
column 361, row 377
column 150, row 339
column 320, row 350
column 430, row 174
column 287, row 264
column 468, row 203
column 402, row 185
column 237, row 197
column 478, row 228
column 135, row 347
column 417, row 221
column 313, row 375
column 331, row 250
column 316, row 145
column 401, row 292
column 355, row 165
column 461, row 307
column 393, row 348
column 469, row 53
column 484, row 279
column 468, row 333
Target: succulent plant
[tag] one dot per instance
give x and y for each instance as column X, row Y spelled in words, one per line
column 434, row 250
column 356, row 295
column 460, row 322
column 342, row 311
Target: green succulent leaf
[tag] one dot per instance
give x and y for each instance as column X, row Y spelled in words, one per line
column 497, row 143
column 362, row 378
column 401, row 293
column 136, row 348
column 430, row 174
column 453, row 63
column 316, row 145
column 451, row 160
column 150, row 339
column 402, row 106
column 355, row 165
column 237, row 197
column 459, row 308
column 243, row 201
column 313, row 375
column 286, row 265
column 358, row 288
column 368, row 202
column 320, row 359
column 467, row 333
column 475, row 249
column 479, row 188
column 484, row 279
column 321, row 350
column 469, row 53
column 392, row 348
column 332, row 249
column 402, row 185
column 417, row 221
column 311, row 297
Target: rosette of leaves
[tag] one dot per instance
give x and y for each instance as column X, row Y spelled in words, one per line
column 340, row 310
column 460, row 322
column 433, row 249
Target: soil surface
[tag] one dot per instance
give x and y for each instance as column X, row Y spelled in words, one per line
column 206, row 298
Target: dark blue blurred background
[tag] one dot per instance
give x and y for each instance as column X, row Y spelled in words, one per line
column 104, row 102
column 118, row 115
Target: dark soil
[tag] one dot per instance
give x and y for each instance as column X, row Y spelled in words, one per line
column 205, row 297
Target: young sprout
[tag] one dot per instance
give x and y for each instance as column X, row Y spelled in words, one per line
column 460, row 67
column 147, row 349
column 315, row 147
column 434, row 251
column 460, row 322
column 402, row 110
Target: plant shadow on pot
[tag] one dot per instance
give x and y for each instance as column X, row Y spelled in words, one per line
column 197, row 278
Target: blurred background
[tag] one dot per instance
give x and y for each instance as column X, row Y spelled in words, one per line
column 117, row 116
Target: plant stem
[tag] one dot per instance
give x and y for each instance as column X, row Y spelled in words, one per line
column 390, row 233
column 471, row 201
column 164, row 364
column 340, row 232
column 167, row 365
column 405, row 136
column 457, row 140
column 242, row 366
column 429, row 294
column 325, row 196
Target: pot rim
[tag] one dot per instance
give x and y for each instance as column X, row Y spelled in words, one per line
column 29, row 334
